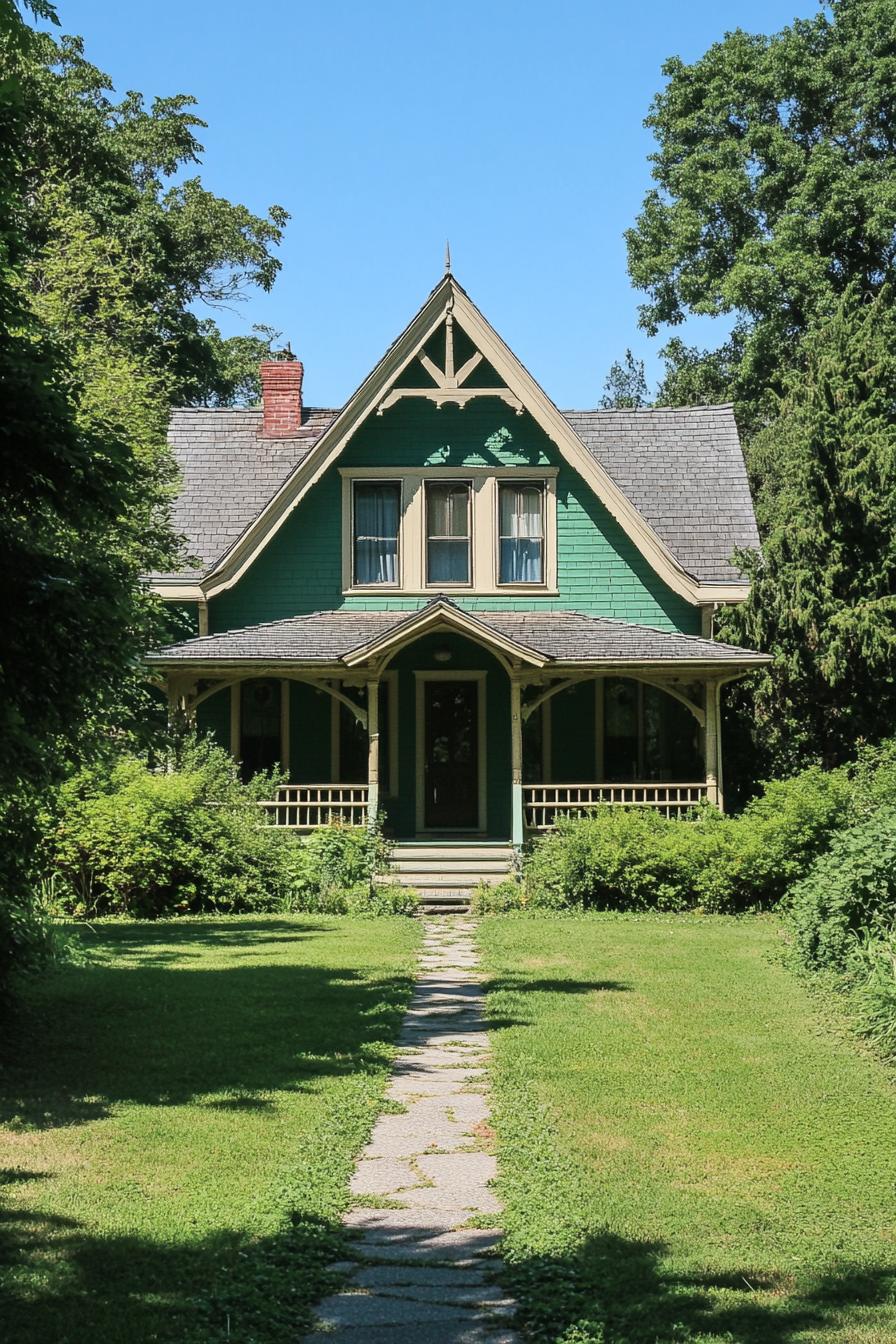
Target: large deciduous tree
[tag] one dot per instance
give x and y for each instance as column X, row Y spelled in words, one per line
column 102, row 261
column 775, row 192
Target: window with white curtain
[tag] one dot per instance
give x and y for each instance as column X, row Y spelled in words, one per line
column 520, row 532
column 447, row 532
column 377, row 512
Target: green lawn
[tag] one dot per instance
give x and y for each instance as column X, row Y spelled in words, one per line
column 691, row 1148
column 180, row 1117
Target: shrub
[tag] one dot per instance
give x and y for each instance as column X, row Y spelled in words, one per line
column 635, row 859
column 190, row 839
column 780, row 833
column 499, row 898
column 849, row 889
column 144, row 843
column 871, row 970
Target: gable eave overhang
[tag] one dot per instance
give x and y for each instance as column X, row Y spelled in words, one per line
column 438, row 616
column 242, row 553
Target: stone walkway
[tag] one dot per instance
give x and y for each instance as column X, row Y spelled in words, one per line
column 426, row 1260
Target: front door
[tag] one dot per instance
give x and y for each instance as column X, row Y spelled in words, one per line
column 451, row 755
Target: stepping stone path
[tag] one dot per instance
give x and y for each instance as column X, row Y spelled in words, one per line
column 418, row 1264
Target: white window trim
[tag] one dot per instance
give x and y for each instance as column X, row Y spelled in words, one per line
column 483, row 523
column 420, row 679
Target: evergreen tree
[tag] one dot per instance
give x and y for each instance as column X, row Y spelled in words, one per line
column 823, row 600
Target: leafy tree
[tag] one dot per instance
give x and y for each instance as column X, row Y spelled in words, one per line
column 625, row 386
column 101, row 262
column 233, row 378
column 774, row 193
column 823, row 599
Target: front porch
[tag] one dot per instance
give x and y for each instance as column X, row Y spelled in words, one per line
column 448, row 724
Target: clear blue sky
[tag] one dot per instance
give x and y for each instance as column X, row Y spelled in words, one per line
column 383, row 126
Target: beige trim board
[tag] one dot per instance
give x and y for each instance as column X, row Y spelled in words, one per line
column 484, row 533
column 441, row 616
column 420, row 680
column 449, row 296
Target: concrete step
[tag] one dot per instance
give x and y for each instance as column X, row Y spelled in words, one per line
column 452, row 865
column 447, row 902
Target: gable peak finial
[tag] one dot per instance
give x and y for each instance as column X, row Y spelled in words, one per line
column 447, row 257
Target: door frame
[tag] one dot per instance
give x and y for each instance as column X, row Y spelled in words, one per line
column 421, row 678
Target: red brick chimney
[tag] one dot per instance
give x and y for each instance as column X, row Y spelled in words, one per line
column 281, row 397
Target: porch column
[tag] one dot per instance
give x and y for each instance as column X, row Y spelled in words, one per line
column 711, row 743
column 516, row 763
column 373, row 751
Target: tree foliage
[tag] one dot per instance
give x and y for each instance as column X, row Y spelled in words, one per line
column 625, row 386
column 823, row 597
column 774, row 193
column 101, row 262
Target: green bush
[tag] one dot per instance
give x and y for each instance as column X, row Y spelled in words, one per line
column 849, row 889
column 500, row 898
column 190, row 839
column 871, row 970
column 636, row 859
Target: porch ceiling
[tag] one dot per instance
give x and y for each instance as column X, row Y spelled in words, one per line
column 533, row 638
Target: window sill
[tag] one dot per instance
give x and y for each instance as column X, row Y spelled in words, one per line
column 506, row 590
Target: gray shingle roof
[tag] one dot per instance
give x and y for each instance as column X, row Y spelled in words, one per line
column 561, row 636
column 683, row 469
column 229, row 472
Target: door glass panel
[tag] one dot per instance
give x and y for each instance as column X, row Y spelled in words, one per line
column 259, row 726
column 447, row 532
column 451, row 755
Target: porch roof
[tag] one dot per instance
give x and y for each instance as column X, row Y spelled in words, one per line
column 539, row 637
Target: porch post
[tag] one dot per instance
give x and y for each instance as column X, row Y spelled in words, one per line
column 373, row 751
column 711, row 743
column 516, row 763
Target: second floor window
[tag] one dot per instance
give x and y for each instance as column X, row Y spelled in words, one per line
column 377, row 511
column 520, row 532
column 447, row 532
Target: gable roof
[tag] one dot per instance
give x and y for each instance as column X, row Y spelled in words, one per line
column 683, row 469
column 660, row 522
column 229, row 473
column 539, row 637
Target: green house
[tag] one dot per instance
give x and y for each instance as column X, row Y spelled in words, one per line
column 452, row 604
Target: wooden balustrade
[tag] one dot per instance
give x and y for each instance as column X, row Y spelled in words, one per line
column 303, row 807
column 543, row 803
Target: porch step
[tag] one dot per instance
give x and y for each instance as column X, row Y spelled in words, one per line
column 444, row 902
column 449, row 867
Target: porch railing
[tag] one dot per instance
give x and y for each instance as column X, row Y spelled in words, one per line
column 543, row 803
column 303, row 807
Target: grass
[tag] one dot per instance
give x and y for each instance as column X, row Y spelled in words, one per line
column 691, row 1148
column 180, row 1116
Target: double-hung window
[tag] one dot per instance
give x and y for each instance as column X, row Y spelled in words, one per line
column 520, row 532
column 447, row 532
column 376, row 517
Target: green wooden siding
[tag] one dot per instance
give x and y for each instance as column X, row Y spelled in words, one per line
column 213, row 717
column 600, row 570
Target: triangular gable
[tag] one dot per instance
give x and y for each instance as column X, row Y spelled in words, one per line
column 389, row 381
column 442, row 614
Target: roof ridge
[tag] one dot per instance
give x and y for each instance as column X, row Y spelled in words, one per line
column 648, row 410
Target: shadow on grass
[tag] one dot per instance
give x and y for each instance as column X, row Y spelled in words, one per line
column 167, row 1029
column 617, row 1291
column 126, row 1290
column 522, row 988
